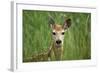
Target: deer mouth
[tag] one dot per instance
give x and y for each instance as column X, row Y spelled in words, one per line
column 58, row 45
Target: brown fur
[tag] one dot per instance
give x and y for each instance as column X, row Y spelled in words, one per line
column 57, row 27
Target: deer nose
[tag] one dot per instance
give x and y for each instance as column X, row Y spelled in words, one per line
column 58, row 41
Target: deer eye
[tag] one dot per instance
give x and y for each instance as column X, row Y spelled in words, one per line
column 53, row 33
column 63, row 33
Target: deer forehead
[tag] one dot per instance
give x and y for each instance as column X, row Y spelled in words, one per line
column 58, row 28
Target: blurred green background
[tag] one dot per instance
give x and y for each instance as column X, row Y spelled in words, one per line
column 37, row 34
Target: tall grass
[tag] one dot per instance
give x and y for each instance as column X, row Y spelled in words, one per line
column 37, row 34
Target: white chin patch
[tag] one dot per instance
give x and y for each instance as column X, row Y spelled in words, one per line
column 58, row 46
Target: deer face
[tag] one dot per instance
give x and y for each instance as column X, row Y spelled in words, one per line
column 58, row 35
column 58, row 32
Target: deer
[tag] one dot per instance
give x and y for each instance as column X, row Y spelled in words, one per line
column 56, row 49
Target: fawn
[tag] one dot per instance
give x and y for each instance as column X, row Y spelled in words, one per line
column 56, row 50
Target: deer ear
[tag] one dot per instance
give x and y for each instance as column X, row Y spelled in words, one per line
column 67, row 24
column 51, row 26
column 51, row 22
